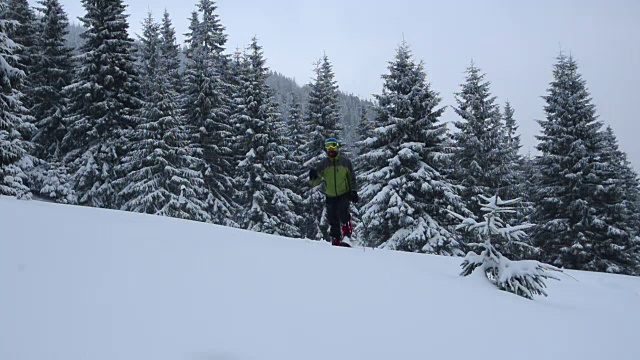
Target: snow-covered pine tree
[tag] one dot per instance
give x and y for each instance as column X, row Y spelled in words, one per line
column 13, row 114
column 295, row 138
column 206, row 106
column 529, row 182
column 156, row 178
column 170, row 51
column 285, row 165
column 244, row 105
column 618, row 195
column 26, row 33
column 511, row 127
column 295, row 135
column 483, row 159
column 103, row 103
column 363, row 132
column 266, row 205
column 406, row 197
column 363, row 168
column 149, row 58
column 577, row 201
column 516, row 183
column 322, row 120
column 323, row 107
column 628, row 178
column 322, row 113
column 239, row 69
column 52, row 72
column 513, row 146
column 524, row 278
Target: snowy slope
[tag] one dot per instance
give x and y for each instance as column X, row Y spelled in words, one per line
column 90, row 284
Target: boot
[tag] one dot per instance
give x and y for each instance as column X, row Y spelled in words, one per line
column 347, row 229
column 335, row 241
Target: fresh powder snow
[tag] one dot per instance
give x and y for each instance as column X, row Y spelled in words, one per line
column 81, row 283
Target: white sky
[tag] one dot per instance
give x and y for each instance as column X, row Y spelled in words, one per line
column 514, row 42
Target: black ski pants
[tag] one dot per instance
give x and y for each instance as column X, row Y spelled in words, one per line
column 338, row 213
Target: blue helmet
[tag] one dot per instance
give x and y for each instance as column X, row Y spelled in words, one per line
column 331, row 140
column 331, row 146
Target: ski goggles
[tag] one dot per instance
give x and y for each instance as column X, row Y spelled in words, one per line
column 331, row 145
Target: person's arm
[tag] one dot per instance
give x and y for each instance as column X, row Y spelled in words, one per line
column 315, row 177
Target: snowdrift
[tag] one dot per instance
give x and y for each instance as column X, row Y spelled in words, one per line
column 90, row 284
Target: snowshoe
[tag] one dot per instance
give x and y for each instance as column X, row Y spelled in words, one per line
column 345, row 242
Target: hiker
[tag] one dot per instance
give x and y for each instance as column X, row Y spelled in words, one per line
column 340, row 190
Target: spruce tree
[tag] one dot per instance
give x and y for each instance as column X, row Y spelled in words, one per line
column 206, row 106
column 285, row 164
column 512, row 153
column 322, row 121
column 364, row 131
column 511, row 128
column 628, row 178
column 13, row 115
column 483, row 159
column 157, row 178
column 295, row 136
column 26, row 33
column 363, row 168
column 52, row 72
column 515, row 182
column 322, row 113
column 579, row 208
column 364, row 134
column 265, row 180
column 103, row 103
column 323, row 107
column 170, row 51
column 618, row 197
column 405, row 196
column 237, row 149
column 530, row 180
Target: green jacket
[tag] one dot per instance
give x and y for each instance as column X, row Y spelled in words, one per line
column 338, row 176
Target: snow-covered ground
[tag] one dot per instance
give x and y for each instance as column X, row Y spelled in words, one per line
column 89, row 284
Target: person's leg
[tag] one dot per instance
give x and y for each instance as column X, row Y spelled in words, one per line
column 345, row 216
column 334, row 219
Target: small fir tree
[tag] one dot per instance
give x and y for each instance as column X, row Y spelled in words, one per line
column 524, row 278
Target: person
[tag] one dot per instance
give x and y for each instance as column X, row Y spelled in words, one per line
column 340, row 190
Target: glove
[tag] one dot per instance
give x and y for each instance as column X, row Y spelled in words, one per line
column 353, row 197
column 313, row 174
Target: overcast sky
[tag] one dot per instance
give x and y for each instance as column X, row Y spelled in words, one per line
column 514, row 42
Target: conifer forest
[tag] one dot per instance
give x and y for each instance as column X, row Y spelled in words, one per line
column 197, row 131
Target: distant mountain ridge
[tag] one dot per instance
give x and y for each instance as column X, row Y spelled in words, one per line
column 350, row 105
